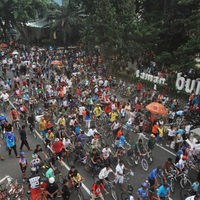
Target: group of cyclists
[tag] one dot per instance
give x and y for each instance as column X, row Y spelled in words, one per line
column 74, row 107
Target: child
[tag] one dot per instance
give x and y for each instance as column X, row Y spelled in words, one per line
column 23, row 164
column 95, row 142
column 160, row 135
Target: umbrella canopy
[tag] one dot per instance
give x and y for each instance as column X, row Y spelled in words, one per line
column 3, row 45
column 56, row 62
column 157, row 108
column 15, row 53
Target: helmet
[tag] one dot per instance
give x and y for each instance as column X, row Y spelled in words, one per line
column 185, row 158
column 34, row 156
column 145, row 185
column 2, row 114
column 57, row 140
column 21, row 153
column 152, row 135
column 159, row 169
column 51, row 180
column 33, row 169
column 45, row 167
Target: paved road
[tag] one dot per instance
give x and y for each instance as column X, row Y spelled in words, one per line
column 10, row 165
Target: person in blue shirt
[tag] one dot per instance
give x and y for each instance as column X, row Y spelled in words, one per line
column 77, row 129
column 11, row 144
column 26, row 98
column 122, row 140
column 196, row 101
column 143, row 192
column 163, row 191
column 3, row 118
column 153, row 177
column 195, row 187
column 81, row 137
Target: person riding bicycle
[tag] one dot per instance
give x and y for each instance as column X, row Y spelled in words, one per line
column 36, row 162
column 103, row 175
column 61, row 132
column 96, row 189
column 181, row 164
column 168, row 166
column 67, row 143
column 95, row 142
column 39, row 111
column 143, row 192
column 79, row 152
column 49, row 172
column 163, row 191
column 96, row 160
column 3, row 119
column 97, row 111
column 77, row 180
column 32, row 100
column 22, row 110
column 106, row 153
column 151, row 143
column 14, row 115
column 153, row 177
column 57, row 148
column 91, row 133
column 115, row 126
column 52, row 161
column 138, row 147
column 49, row 137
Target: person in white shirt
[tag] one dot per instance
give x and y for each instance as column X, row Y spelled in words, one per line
column 5, row 98
column 91, row 133
column 120, row 173
column 106, row 83
column 195, row 197
column 106, row 152
column 67, row 142
column 81, row 109
column 103, row 175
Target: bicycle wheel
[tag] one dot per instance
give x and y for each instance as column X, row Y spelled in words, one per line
column 80, row 195
column 184, row 194
column 114, row 194
column 87, row 166
column 172, row 185
column 124, row 196
column 131, row 160
column 150, row 159
column 19, row 191
column 60, row 178
column 23, row 197
column 103, row 142
column 144, row 164
column 41, row 197
column 185, row 183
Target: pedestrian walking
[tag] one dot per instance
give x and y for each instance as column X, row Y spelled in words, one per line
column 11, row 144
column 23, row 137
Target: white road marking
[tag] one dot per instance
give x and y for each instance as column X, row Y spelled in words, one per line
column 65, row 165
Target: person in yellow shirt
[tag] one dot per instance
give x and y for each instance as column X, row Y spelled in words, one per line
column 97, row 111
column 160, row 135
column 77, row 180
column 42, row 125
column 113, row 115
column 49, row 137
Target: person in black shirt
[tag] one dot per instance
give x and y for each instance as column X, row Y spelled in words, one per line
column 8, row 127
column 96, row 160
column 33, row 180
column 23, row 136
column 79, row 151
column 70, row 176
column 52, row 189
column 39, row 149
column 31, row 121
column 65, row 190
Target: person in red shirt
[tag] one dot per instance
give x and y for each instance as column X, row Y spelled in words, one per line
column 24, row 82
column 119, row 133
column 139, row 87
column 57, row 147
column 107, row 109
column 49, row 126
column 97, row 190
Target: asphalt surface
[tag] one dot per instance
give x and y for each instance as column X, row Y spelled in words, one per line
column 11, row 167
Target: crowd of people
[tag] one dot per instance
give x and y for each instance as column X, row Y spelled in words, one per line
column 75, row 104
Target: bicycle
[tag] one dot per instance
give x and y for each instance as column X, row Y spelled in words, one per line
column 97, row 197
column 79, row 192
column 16, row 123
column 149, row 157
column 110, row 187
column 41, row 196
column 185, row 182
column 171, row 176
column 126, row 196
column 127, row 180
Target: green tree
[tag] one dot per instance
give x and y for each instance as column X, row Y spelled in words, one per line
column 16, row 13
column 67, row 19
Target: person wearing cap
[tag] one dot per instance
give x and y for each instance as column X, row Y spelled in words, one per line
column 42, row 125
column 163, row 191
column 23, row 164
column 49, row 137
column 143, row 192
column 11, row 143
column 92, row 131
column 153, row 177
column 181, row 164
column 49, row 172
column 52, row 189
column 65, row 190
column 95, row 142
column 33, row 181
